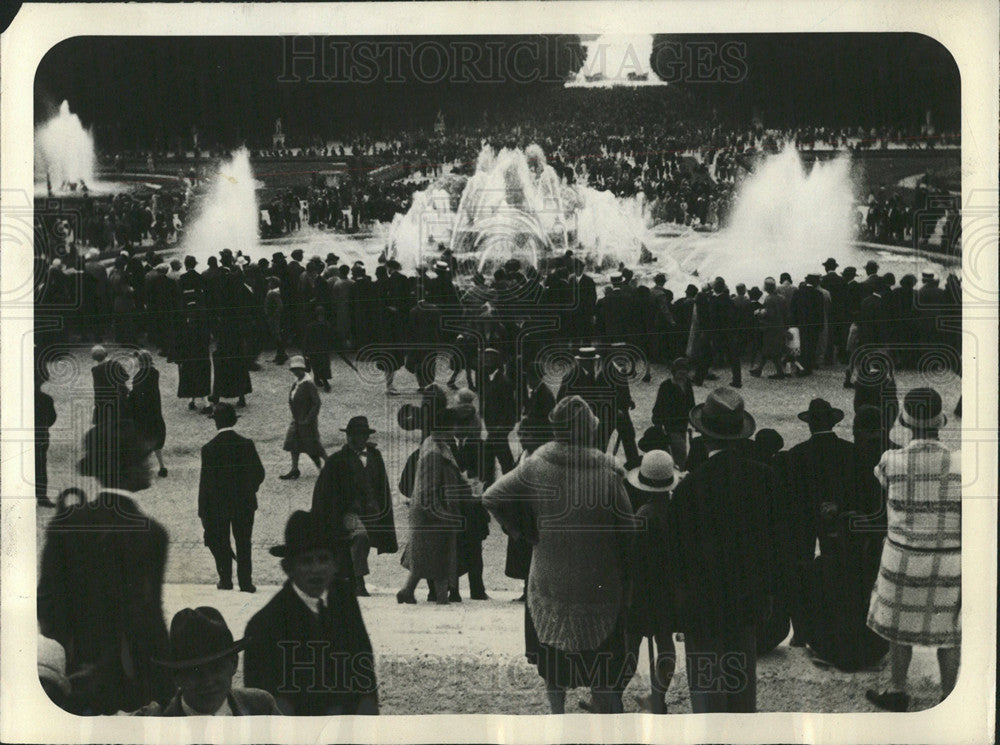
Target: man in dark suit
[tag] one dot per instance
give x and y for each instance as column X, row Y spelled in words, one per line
column 100, row 586
column 723, row 547
column 110, row 392
column 872, row 281
column 807, row 315
column 839, row 322
column 829, row 598
column 498, row 403
column 309, row 646
column 231, row 473
column 584, row 295
column 352, row 494
column 872, row 318
column 719, row 327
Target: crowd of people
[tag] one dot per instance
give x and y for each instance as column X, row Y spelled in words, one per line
column 727, row 556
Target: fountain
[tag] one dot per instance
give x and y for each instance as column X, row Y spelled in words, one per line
column 64, row 152
column 514, row 206
column 784, row 219
column 228, row 216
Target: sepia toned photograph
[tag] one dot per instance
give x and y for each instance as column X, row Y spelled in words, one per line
column 499, row 374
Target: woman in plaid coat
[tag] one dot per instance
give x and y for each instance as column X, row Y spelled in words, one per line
column 917, row 597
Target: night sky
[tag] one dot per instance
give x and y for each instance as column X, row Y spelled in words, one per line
column 148, row 91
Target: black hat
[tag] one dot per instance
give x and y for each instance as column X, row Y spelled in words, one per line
column 358, row 424
column 821, row 413
column 867, row 420
column 304, row 532
column 849, row 271
column 190, row 262
column 332, row 258
column 654, row 438
column 297, row 254
column 830, row 264
column 922, row 410
column 723, row 416
column 199, row 636
column 224, row 414
column 769, row 440
column 277, row 255
column 871, row 265
column 393, row 264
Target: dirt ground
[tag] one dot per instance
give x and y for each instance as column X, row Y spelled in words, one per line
column 455, row 659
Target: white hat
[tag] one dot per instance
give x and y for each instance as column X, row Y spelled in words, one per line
column 656, row 474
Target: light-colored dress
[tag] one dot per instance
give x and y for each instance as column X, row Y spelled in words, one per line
column 917, row 597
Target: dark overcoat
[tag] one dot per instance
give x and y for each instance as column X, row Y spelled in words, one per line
column 344, row 482
column 290, row 652
column 724, row 544
column 231, row 474
column 100, row 595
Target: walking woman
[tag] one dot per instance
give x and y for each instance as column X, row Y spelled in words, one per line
column 435, row 521
column 580, row 523
column 146, row 408
column 303, row 432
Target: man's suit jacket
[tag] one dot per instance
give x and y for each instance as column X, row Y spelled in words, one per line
column 100, row 595
column 872, row 321
column 110, row 391
column 231, row 473
column 723, row 541
column 281, row 660
column 243, row 702
column 819, row 470
column 499, row 404
column 345, row 482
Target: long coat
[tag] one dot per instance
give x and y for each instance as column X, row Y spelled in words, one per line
column 773, row 325
column 303, row 432
column 100, row 595
column 724, row 543
column 345, row 662
column 193, row 354
column 231, row 474
column 345, row 485
column 435, row 517
column 146, row 409
column 232, row 376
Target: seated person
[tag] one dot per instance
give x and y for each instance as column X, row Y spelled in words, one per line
column 309, row 646
column 203, row 659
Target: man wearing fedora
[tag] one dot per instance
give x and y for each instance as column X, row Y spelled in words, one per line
column 836, row 340
column 231, row 474
column 352, row 493
column 820, row 480
column 203, row 660
column 917, row 598
column 309, row 646
column 723, row 543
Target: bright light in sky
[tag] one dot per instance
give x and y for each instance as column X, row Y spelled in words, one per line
column 611, row 60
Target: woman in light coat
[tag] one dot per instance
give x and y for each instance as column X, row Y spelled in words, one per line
column 303, row 432
column 569, row 501
column 435, row 513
